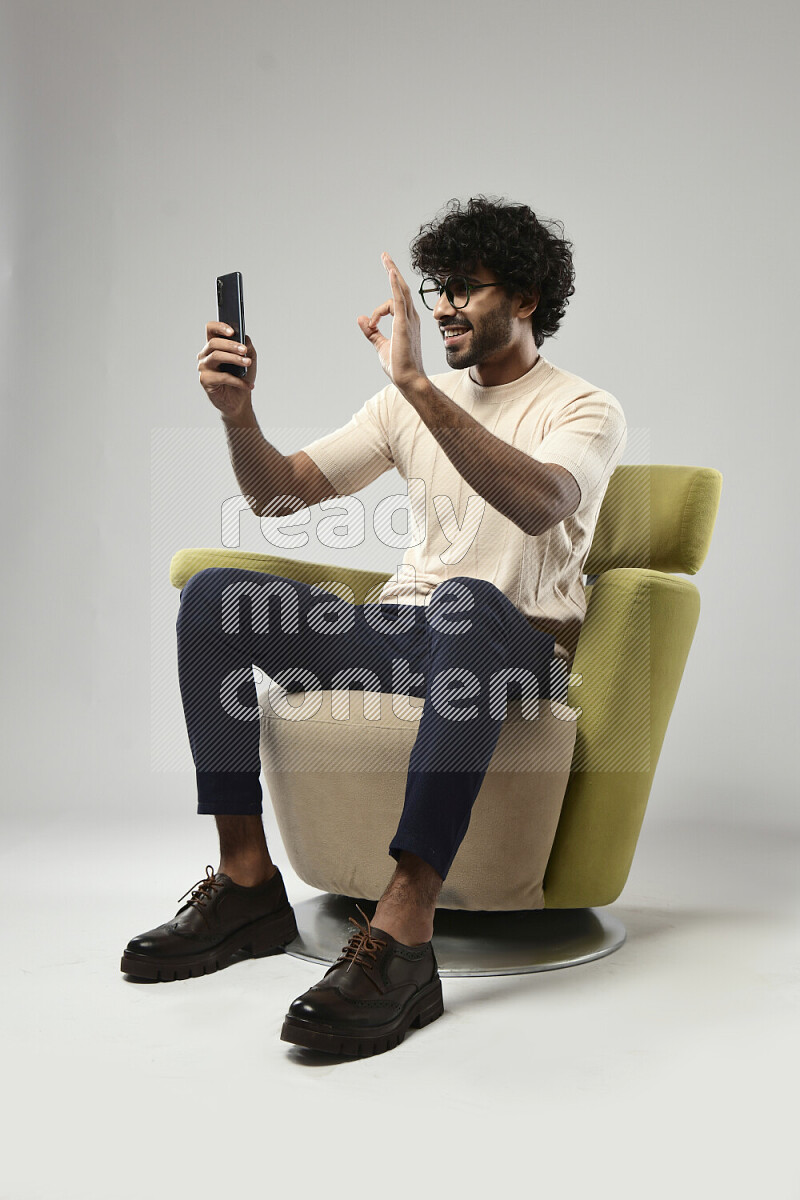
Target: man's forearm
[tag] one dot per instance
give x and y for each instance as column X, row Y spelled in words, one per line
column 263, row 473
column 518, row 486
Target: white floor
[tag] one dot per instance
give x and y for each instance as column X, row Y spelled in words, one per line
column 667, row 1069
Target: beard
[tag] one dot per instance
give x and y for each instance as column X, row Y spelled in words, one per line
column 485, row 339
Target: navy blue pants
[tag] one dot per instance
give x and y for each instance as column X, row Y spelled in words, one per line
column 449, row 651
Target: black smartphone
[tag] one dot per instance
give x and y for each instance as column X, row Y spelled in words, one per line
column 230, row 310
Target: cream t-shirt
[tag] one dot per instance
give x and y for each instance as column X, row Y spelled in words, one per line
column 549, row 413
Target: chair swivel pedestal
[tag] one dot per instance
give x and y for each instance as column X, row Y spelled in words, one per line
column 472, row 943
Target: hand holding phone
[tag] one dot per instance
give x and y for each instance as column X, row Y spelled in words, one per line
column 226, row 364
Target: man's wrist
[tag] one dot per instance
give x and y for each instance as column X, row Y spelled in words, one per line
column 416, row 389
column 245, row 419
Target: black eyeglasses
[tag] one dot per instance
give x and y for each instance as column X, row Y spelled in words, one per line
column 457, row 288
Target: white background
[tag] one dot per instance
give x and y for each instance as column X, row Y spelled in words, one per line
column 147, row 148
column 150, row 147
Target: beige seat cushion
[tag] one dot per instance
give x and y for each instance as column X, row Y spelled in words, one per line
column 335, row 764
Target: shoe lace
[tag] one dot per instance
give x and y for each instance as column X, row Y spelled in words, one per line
column 202, row 891
column 363, row 946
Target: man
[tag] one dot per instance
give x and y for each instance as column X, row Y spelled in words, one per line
column 518, row 453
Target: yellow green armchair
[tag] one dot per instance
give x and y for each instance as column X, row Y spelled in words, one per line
column 555, row 825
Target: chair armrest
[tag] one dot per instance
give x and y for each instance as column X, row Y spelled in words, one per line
column 365, row 585
column 630, row 659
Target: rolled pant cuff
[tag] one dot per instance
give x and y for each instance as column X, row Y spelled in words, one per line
column 229, row 793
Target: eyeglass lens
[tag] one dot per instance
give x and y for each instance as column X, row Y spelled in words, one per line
column 456, row 288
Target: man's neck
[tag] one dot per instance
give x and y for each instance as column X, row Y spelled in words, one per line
column 494, row 374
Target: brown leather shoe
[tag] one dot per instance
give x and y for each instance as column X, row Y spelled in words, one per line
column 220, row 919
column 367, row 1000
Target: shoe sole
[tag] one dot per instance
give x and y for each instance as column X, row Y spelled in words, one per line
column 428, row 1006
column 268, row 935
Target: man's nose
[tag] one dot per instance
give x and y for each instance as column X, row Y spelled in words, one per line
column 443, row 307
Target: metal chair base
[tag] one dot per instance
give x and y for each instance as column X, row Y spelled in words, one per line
column 471, row 943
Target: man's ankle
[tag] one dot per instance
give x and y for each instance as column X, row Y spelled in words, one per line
column 248, row 872
column 406, row 928
column 243, row 852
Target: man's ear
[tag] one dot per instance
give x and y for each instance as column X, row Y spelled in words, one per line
column 528, row 304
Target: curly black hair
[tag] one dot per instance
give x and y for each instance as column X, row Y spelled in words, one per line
column 508, row 239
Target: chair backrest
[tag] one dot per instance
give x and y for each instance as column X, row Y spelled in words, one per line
column 661, row 517
column 634, row 642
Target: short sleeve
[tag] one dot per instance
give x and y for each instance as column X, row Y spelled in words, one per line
column 358, row 452
column 588, row 438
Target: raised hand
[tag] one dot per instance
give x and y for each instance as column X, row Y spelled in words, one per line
column 401, row 354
